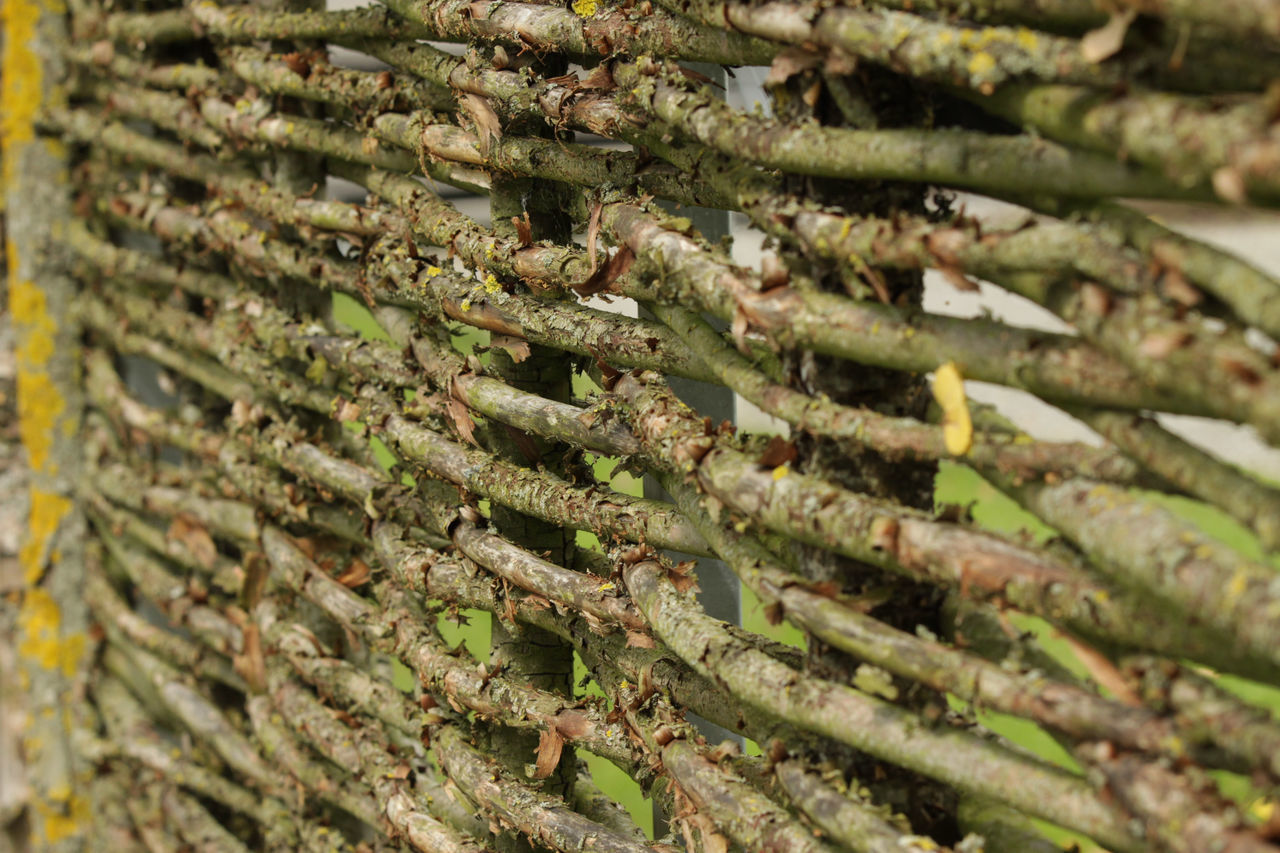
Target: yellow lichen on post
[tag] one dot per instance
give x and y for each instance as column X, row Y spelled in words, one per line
column 41, row 640
column 957, row 426
column 51, row 640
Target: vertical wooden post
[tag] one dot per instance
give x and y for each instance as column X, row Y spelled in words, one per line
column 532, row 654
column 52, row 636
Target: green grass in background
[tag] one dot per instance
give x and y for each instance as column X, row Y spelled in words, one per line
column 956, row 485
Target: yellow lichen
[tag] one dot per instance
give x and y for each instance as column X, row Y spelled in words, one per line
column 780, row 472
column 40, row 640
column 1027, row 39
column 957, row 426
column 434, row 271
column 21, row 77
column 55, row 825
column 491, row 284
column 981, row 63
column 585, row 8
column 46, row 514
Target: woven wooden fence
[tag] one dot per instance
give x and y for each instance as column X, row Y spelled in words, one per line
column 251, row 530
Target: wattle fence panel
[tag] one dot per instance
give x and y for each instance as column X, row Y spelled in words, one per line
column 369, row 436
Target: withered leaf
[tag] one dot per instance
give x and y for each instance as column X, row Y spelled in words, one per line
column 810, row 95
column 741, row 323
column 550, row 745
column 488, row 127
column 256, row 572
column 698, row 77
column 790, row 62
column 957, row 279
column 524, row 229
column 616, row 267
column 1174, row 285
column 524, row 443
column 460, row 415
column 1241, row 371
column 573, row 724
column 682, row 577
column 347, row 411
column 1103, row 671
column 779, row 451
column 773, row 613
column 517, row 348
column 711, row 841
column 773, row 273
column 1095, row 299
column 639, row 640
column 251, row 664
column 298, row 63
column 599, row 80
column 1106, row 40
column 1228, row 183
column 1161, row 344
column 191, row 534
column 355, row 574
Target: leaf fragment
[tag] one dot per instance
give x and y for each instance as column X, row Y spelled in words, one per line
column 1106, row 40
column 550, row 745
column 191, row 534
column 957, row 425
column 488, row 126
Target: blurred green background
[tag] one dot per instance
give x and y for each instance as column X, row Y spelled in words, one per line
column 955, row 485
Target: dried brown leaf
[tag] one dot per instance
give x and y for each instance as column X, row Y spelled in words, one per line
column 599, row 80
column 251, row 664
column 192, row 535
column 347, row 411
column 460, row 415
column 1245, row 373
column 1174, row 285
column 1161, row 344
column 573, row 724
column 810, row 95
column 1106, row 40
column 773, row 273
column 1095, row 299
column 779, row 451
column 741, row 323
column 357, row 573
column 299, row 63
column 790, row 62
column 711, row 841
column 524, row 229
column 517, row 348
column 488, row 126
column 616, row 267
column 1103, row 671
column 773, row 613
column 639, row 640
column 682, row 577
column 957, row 279
column 1228, row 183
column 256, row 571
column 550, row 745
